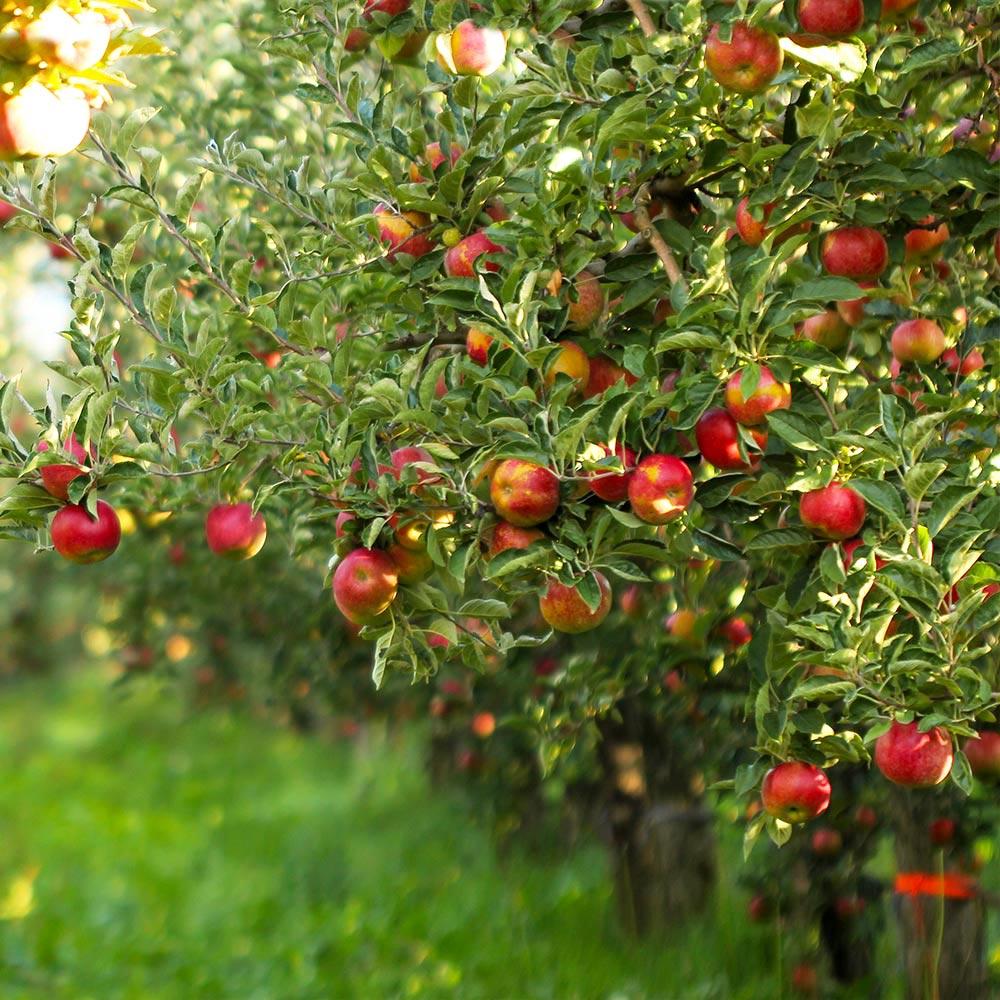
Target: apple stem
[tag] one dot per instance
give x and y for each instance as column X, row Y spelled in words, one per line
column 642, row 16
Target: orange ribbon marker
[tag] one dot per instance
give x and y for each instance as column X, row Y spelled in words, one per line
column 951, row 885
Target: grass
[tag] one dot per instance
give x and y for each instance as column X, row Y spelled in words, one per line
column 151, row 853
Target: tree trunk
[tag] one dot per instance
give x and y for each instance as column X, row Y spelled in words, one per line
column 943, row 940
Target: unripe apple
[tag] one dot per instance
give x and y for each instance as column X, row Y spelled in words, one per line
column 80, row 538
column 971, row 362
column 768, row 396
column 826, row 842
column 827, row 329
column 434, row 157
column 460, row 259
column 56, row 478
column 412, row 565
column 856, row 252
column 570, row 360
column 795, row 791
column 234, row 531
column 942, row 831
column 604, row 373
column 983, row 752
column 477, row 346
column 469, row 50
column 586, row 301
column 613, row 486
column 831, row 18
column 364, row 585
column 914, row 759
column 681, row 625
column 736, row 632
column 919, row 340
column 37, row 121
column 566, row 611
column 661, row 489
column 483, row 725
column 835, row 512
column 718, row 440
column 922, row 245
column 400, row 232
column 523, row 493
column 748, row 62
column 506, row 536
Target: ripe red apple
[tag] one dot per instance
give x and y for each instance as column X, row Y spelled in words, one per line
column 357, row 40
column 922, row 245
column 760, row 909
column 892, row 8
column 364, row 585
column 914, row 759
column 971, row 362
column 826, row 842
column 37, row 121
column 919, row 340
column 566, row 611
column 523, row 493
column 509, row 536
column 768, row 396
column 849, row 907
column 865, row 817
column 80, row 538
column 234, row 531
column 460, row 259
column 630, row 600
column 477, row 346
column 748, row 62
column 469, row 50
column 831, row 18
column 604, row 373
column 736, row 631
column 401, row 232
column 613, row 486
column 483, row 725
column 835, row 512
column 654, row 208
column 828, row 329
column 718, row 440
column 805, row 979
column 942, row 831
column 570, row 360
column 586, row 301
column 661, row 489
column 434, row 157
column 407, row 456
column 856, row 252
column 7, row 211
column 753, row 231
column 795, row 791
column 56, row 478
column 852, row 311
column 389, row 7
column 983, row 752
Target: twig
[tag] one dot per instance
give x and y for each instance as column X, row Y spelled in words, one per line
column 642, row 16
column 656, row 241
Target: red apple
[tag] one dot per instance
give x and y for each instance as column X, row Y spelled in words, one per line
column 736, row 632
column 523, row 493
column 826, row 842
column 234, row 531
column 613, row 486
column 753, row 231
column 477, row 346
column 434, row 157
column 748, row 62
column 971, row 362
column 682, row 624
column 760, row 909
column 412, row 565
column 460, row 259
column 718, row 440
column 828, row 329
column 364, row 585
column 983, row 752
column 768, row 396
column 509, row 536
column 856, row 252
column 831, row 18
column 852, row 311
column 402, row 232
column 389, row 7
column 570, row 360
column 604, row 373
column 586, row 301
column 357, row 40
column 469, row 50
column 942, row 831
column 654, row 208
column 919, row 340
column 483, row 725
column 835, row 512
column 80, row 538
column 630, row 600
column 805, row 979
column 566, row 611
column 795, row 791
column 56, row 478
column 922, row 245
column 661, row 489
column 7, row 211
column 37, row 121
column 914, row 759
column 865, row 817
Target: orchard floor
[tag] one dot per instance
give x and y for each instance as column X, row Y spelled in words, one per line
column 151, row 853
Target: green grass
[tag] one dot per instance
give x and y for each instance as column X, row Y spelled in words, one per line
column 212, row 855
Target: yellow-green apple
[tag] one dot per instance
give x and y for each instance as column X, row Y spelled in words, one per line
column 661, row 489
column 681, row 625
column 566, row 611
column 826, row 842
column 469, row 50
column 914, row 759
column 402, row 232
column 718, row 437
column 768, row 396
column 523, row 493
column 831, row 18
column 983, row 752
column 37, row 121
column 827, row 329
column 857, row 252
column 77, row 42
column 477, row 345
column 604, row 373
column 56, row 478
column 748, row 62
column 922, row 245
column 942, row 831
column 795, row 791
column 460, row 259
column 434, row 157
column 919, row 340
column 412, row 565
column 364, row 585
column 483, row 725
column 234, row 531
column 736, row 632
column 80, row 538
column 970, row 362
column 586, row 301
column 570, row 360
column 506, row 536
column 612, row 485
column 835, row 512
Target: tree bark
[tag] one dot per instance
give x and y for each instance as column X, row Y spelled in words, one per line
column 943, row 941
